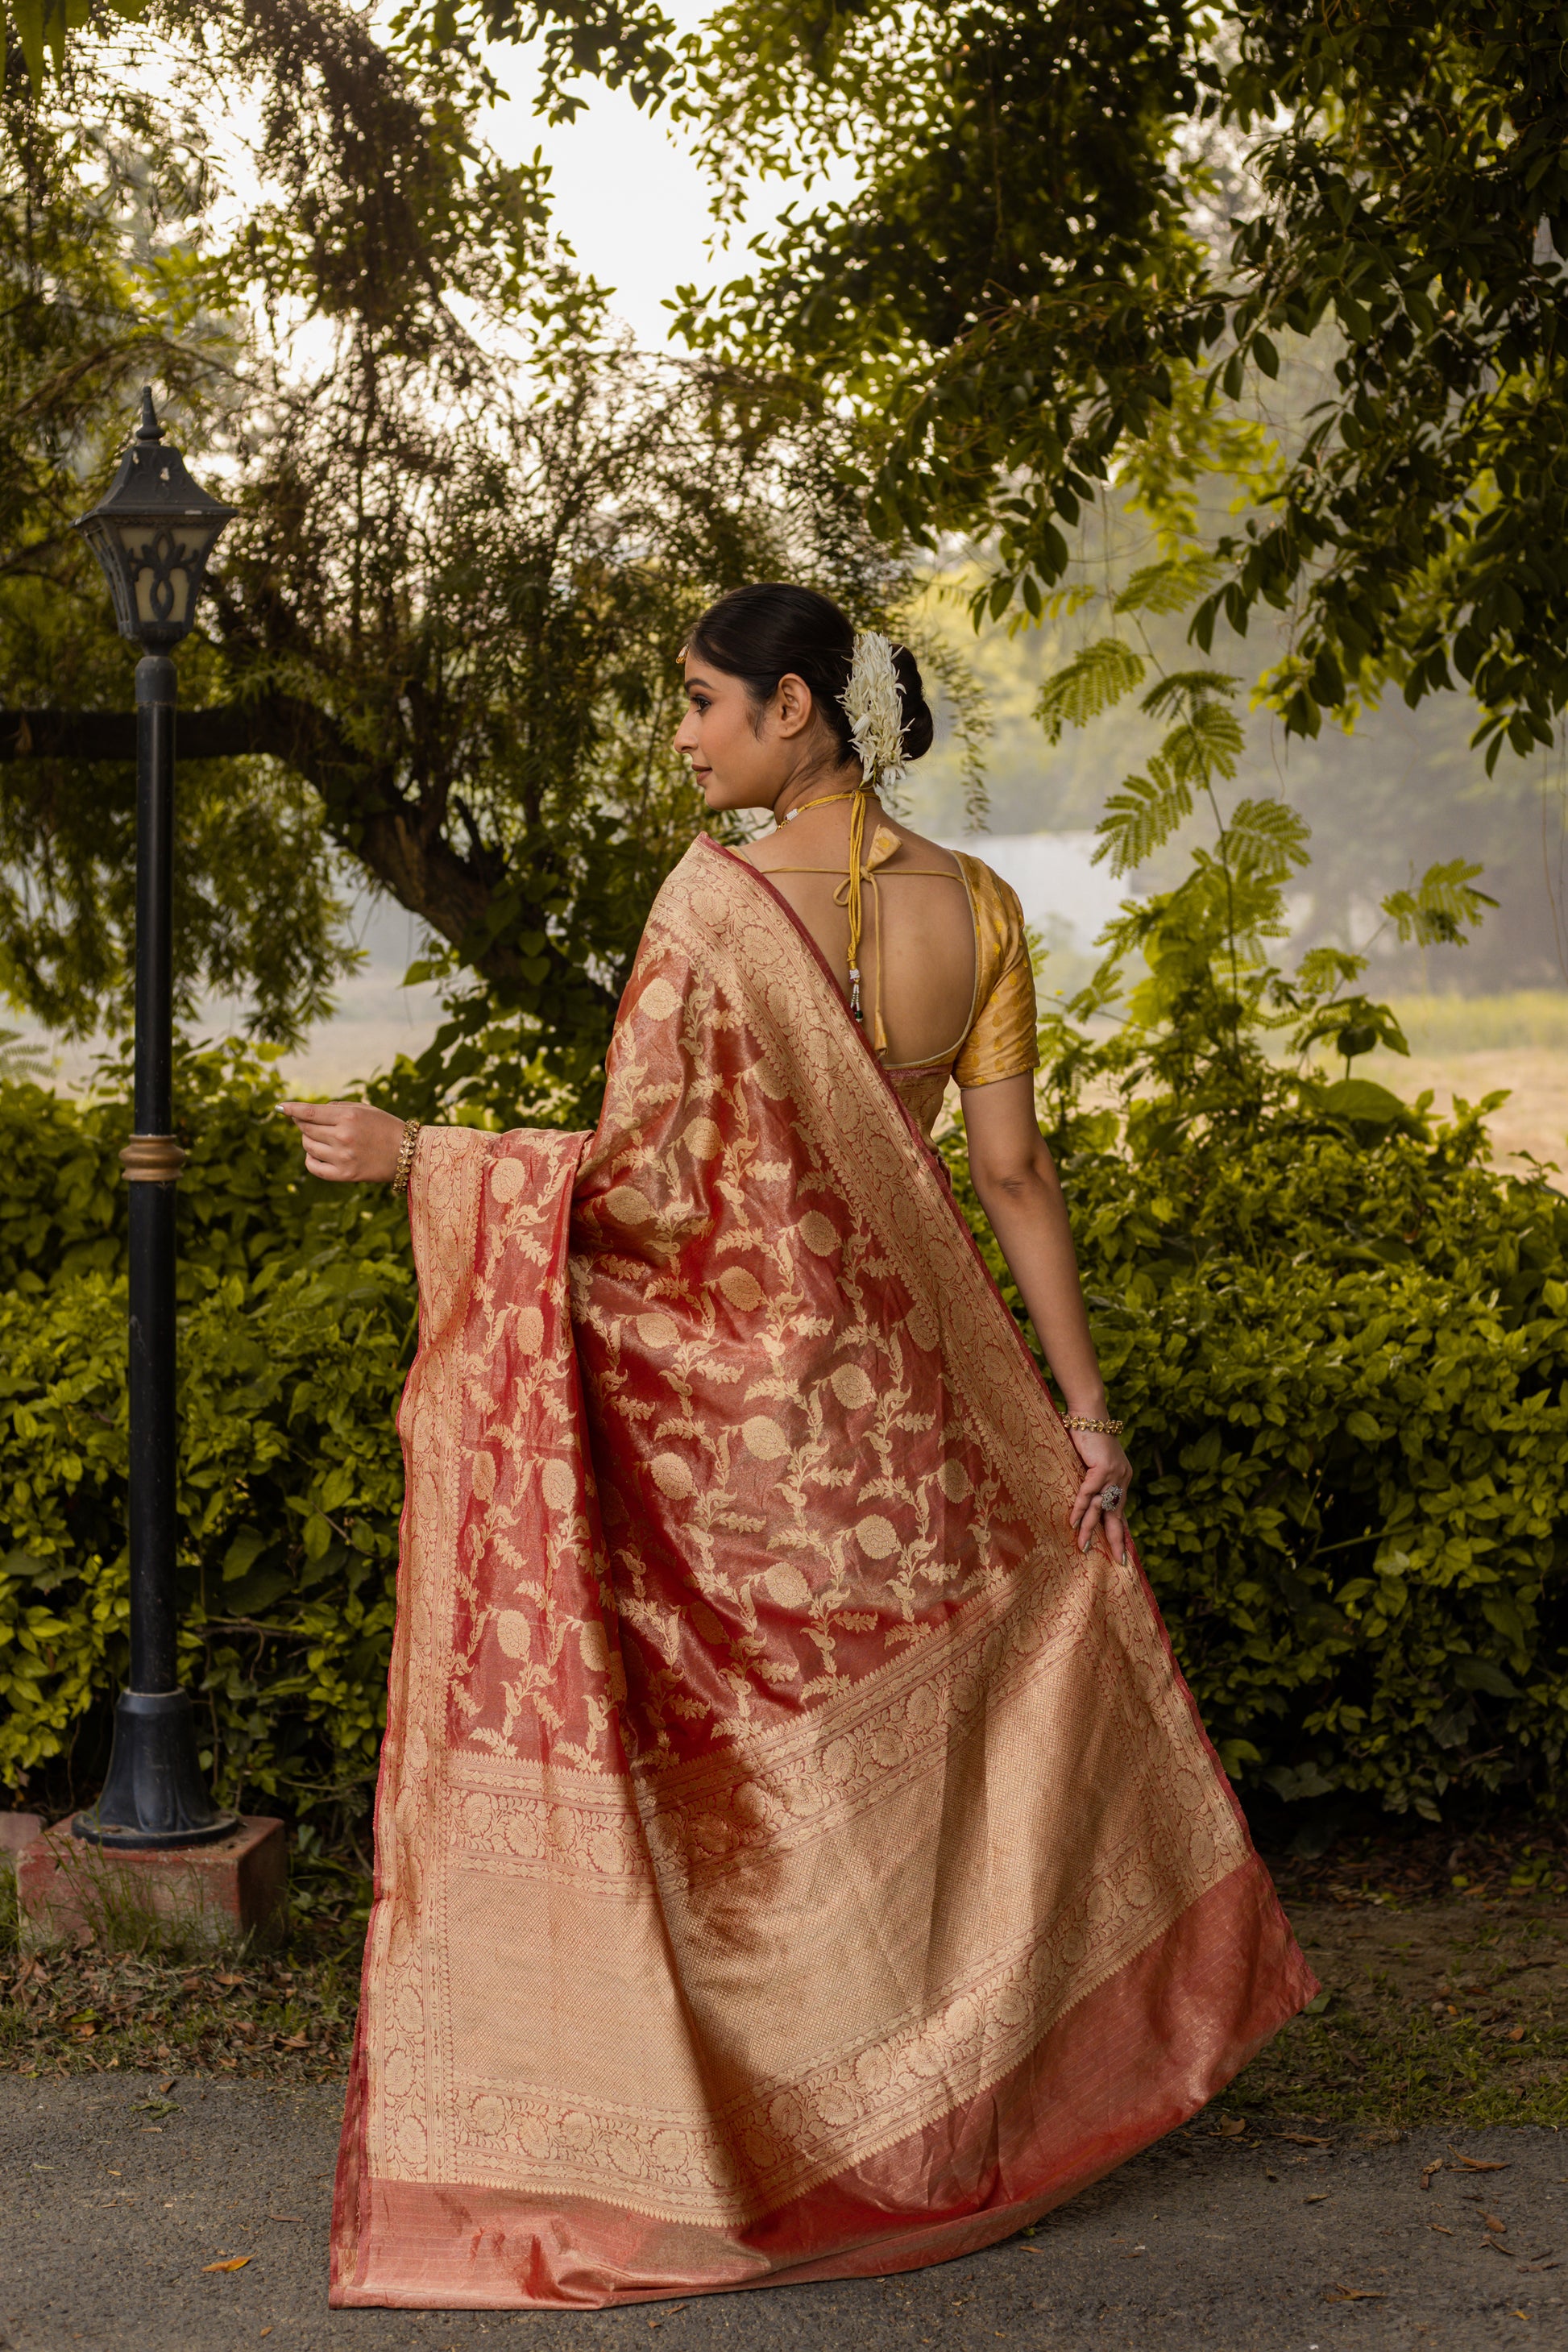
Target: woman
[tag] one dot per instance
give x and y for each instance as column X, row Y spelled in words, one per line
column 797, row 1854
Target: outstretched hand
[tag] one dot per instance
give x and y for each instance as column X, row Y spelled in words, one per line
column 1106, row 1464
column 348, row 1143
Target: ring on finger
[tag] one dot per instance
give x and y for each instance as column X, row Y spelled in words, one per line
column 1110, row 1496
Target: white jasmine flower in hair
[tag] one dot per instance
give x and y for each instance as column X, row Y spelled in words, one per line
column 875, row 709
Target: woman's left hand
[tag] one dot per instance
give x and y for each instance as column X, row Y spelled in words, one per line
column 347, row 1142
column 1106, row 1464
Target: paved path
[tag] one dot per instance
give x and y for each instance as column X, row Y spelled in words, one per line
column 106, row 2222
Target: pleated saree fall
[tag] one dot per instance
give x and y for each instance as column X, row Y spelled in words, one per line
column 795, row 1859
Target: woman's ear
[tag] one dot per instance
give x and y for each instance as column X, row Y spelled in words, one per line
column 793, row 707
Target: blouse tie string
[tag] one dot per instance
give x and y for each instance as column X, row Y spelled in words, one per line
column 848, row 896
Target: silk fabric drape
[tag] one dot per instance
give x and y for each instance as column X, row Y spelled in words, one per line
column 795, row 1859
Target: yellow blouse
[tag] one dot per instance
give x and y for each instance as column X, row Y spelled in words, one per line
column 999, row 1040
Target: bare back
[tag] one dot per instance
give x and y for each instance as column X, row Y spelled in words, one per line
column 918, row 951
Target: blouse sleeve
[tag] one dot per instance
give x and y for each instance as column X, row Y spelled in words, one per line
column 1002, row 1042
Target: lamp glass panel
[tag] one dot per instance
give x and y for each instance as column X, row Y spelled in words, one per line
column 164, row 562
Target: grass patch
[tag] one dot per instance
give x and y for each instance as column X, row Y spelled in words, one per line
column 141, row 1997
column 1534, row 1017
column 1451, row 2013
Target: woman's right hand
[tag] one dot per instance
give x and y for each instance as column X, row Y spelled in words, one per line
column 347, row 1143
column 1105, row 1464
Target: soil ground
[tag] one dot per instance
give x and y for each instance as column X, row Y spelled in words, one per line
column 159, row 2114
column 1279, row 2238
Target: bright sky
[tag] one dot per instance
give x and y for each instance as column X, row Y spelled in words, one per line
column 628, row 197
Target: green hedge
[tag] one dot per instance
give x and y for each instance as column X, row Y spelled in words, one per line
column 296, row 1330
column 1341, row 1347
column 1344, row 1359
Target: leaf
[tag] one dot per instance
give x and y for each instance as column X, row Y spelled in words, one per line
column 1267, row 838
column 1480, row 1674
column 1442, row 907
column 1165, row 587
column 242, row 1553
column 1357, row 1099
column 1427, row 2170
column 1090, row 683
column 235, row 2262
column 1207, row 744
column 1185, row 686
column 1140, row 815
column 1480, row 2163
column 1291, row 1782
column 1304, row 2139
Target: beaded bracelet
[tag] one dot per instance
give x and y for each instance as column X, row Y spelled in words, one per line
column 406, row 1156
column 1092, row 1427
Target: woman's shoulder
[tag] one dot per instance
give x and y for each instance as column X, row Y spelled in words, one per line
column 992, row 895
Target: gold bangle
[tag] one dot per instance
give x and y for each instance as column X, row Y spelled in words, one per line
column 1092, row 1427
column 406, row 1156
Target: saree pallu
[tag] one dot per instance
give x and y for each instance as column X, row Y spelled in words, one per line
column 795, row 1859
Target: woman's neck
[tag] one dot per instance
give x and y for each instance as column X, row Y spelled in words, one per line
column 825, row 783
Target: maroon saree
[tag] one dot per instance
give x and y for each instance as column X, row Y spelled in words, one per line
column 794, row 1858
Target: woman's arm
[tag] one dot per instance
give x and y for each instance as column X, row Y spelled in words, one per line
column 1015, row 1178
column 348, row 1143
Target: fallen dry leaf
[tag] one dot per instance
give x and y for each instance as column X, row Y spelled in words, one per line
column 1481, row 2163
column 1492, row 2243
column 1230, row 2128
column 1303, row 2139
column 1516, row 2034
column 235, row 2262
column 1436, row 2166
column 1492, row 2223
column 1318, row 2196
column 1355, row 2294
column 1440, row 2229
column 295, row 2041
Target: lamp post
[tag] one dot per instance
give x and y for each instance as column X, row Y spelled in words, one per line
column 152, row 532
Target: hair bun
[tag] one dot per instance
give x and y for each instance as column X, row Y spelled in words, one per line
column 920, row 727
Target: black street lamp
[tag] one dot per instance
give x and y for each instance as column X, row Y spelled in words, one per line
column 152, row 533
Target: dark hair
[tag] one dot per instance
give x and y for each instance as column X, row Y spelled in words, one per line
column 762, row 633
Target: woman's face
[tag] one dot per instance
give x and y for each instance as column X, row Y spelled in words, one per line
column 743, row 757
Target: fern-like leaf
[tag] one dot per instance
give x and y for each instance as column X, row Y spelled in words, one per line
column 1184, row 685
column 1092, row 682
column 1207, row 743
column 1140, row 815
column 1167, row 587
column 1266, row 840
column 1442, row 907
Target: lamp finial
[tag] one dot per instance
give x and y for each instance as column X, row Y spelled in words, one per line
column 148, row 429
